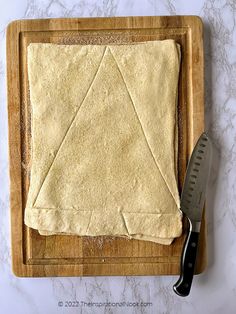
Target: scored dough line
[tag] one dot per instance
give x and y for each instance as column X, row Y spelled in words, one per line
column 72, row 121
column 89, row 210
column 124, row 222
column 136, row 113
column 90, row 218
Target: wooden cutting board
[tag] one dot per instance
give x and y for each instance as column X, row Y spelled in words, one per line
column 36, row 255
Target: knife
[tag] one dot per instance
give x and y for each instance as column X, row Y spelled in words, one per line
column 191, row 204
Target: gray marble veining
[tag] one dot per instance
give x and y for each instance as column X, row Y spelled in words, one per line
column 215, row 290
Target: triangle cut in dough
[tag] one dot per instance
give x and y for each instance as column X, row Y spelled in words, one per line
column 104, row 140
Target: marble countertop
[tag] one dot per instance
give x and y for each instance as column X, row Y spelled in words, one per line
column 214, row 291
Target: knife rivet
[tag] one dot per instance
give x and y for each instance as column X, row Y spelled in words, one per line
column 190, row 265
column 193, row 244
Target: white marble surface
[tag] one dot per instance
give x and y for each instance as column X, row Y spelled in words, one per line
column 215, row 290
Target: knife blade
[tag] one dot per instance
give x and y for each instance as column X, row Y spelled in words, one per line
column 191, row 204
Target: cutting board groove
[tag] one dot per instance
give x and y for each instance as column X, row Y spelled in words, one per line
column 35, row 255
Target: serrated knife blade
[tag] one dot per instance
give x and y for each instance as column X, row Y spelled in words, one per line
column 192, row 203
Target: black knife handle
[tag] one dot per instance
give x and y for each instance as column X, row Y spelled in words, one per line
column 189, row 253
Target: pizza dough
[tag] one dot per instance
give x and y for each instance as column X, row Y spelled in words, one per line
column 104, row 140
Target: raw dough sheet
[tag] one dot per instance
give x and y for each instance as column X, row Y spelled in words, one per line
column 104, row 141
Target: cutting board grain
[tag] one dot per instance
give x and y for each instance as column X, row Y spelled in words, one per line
column 35, row 255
